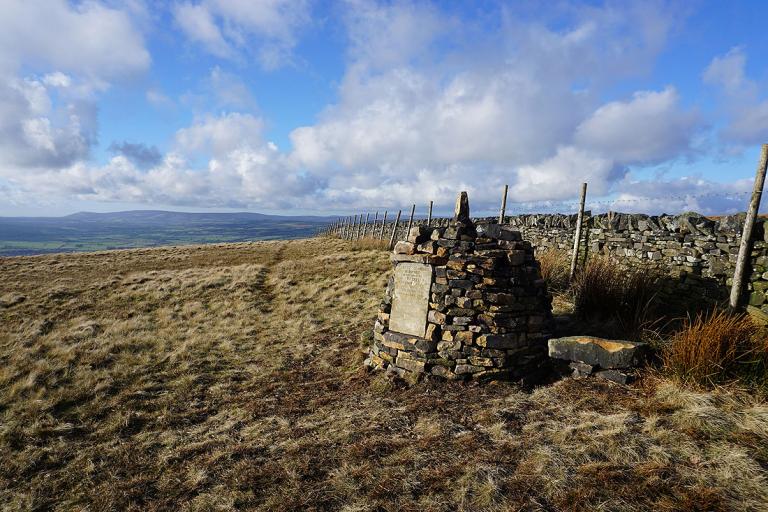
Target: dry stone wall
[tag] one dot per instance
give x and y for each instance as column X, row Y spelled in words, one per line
column 695, row 255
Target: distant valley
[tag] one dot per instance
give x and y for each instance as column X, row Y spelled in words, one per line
column 87, row 231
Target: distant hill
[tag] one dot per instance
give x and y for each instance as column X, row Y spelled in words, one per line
column 90, row 231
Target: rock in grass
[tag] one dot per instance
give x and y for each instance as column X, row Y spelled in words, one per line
column 613, row 376
column 757, row 315
column 599, row 352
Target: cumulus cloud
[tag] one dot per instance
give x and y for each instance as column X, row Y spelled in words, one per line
column 220, row 135
column 35, row 133
column 198, row 24
column 649, row 128
column 558, row 176
column 141, row 155
column 68, row 53
column 229, row 28
column 745, row 105
column 521, row 104
column 88, row 39
column 239, row 169
column 429, row 105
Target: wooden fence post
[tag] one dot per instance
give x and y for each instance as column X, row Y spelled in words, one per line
column 577, row 237
column 354, row 229
column 394, row 230
column 383, row 224
column 503, row 205
column 429, row 215
column 410, row 222
column 746, row 235
column 365, row 226
column 373, row 225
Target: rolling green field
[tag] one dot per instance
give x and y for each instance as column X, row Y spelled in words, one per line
column 84, row 232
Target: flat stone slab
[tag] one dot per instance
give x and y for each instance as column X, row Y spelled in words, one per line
column 410, row 298
column 598, row 352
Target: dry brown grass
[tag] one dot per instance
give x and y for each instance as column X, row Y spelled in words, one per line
column 621, row 300
column 368, row 244
column 718, row 348
column 555, row 268
column 230, row 378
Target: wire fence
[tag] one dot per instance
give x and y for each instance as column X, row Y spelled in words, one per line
column 386, row 226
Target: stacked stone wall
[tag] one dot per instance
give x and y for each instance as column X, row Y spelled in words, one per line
column 695, row 255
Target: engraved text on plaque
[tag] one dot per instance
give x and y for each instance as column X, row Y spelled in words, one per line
column 410, row 298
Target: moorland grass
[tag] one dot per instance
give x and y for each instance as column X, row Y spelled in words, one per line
column 716, row 348
column 229, row 377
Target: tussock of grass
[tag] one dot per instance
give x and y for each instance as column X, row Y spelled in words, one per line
column 369, row 244
column 555, row 268
column 603, row 291
column 230, row 378
column 717, row 348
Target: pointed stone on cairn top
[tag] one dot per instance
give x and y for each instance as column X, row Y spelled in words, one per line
column 461, row 211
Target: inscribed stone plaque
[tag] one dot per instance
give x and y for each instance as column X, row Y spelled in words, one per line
column 410, row 298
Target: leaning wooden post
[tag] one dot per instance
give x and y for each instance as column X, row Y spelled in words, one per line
column 429, row 215
column 359, row 228
column 503, row 205
column 410, row 222
column 354, row 229
column 394, row 230
column 746, row 236
column 577, row 237
column 365, row 226
column 373, row 224
column 383, row 224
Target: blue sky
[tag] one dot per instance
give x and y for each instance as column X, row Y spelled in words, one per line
column 336, row 107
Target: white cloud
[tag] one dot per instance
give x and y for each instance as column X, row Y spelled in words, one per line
column 429, row 105
column 220, row 135
column 560, row 176
column 57, row 79
column 745, row 106
column 89, row 39
column 35, row 133
column 229, row 91
column 727, row 71
column 238, row 169
column 521, row 104
column 157, row 98
column 198, row 24
column 68, row 53
column 228, row 28
column 649, row 128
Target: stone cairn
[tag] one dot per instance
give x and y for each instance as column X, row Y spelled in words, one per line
column 465, row 301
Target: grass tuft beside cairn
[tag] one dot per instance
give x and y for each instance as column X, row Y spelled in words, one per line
column 718, row 348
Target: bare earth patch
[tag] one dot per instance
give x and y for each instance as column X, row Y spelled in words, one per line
column 229, row 377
